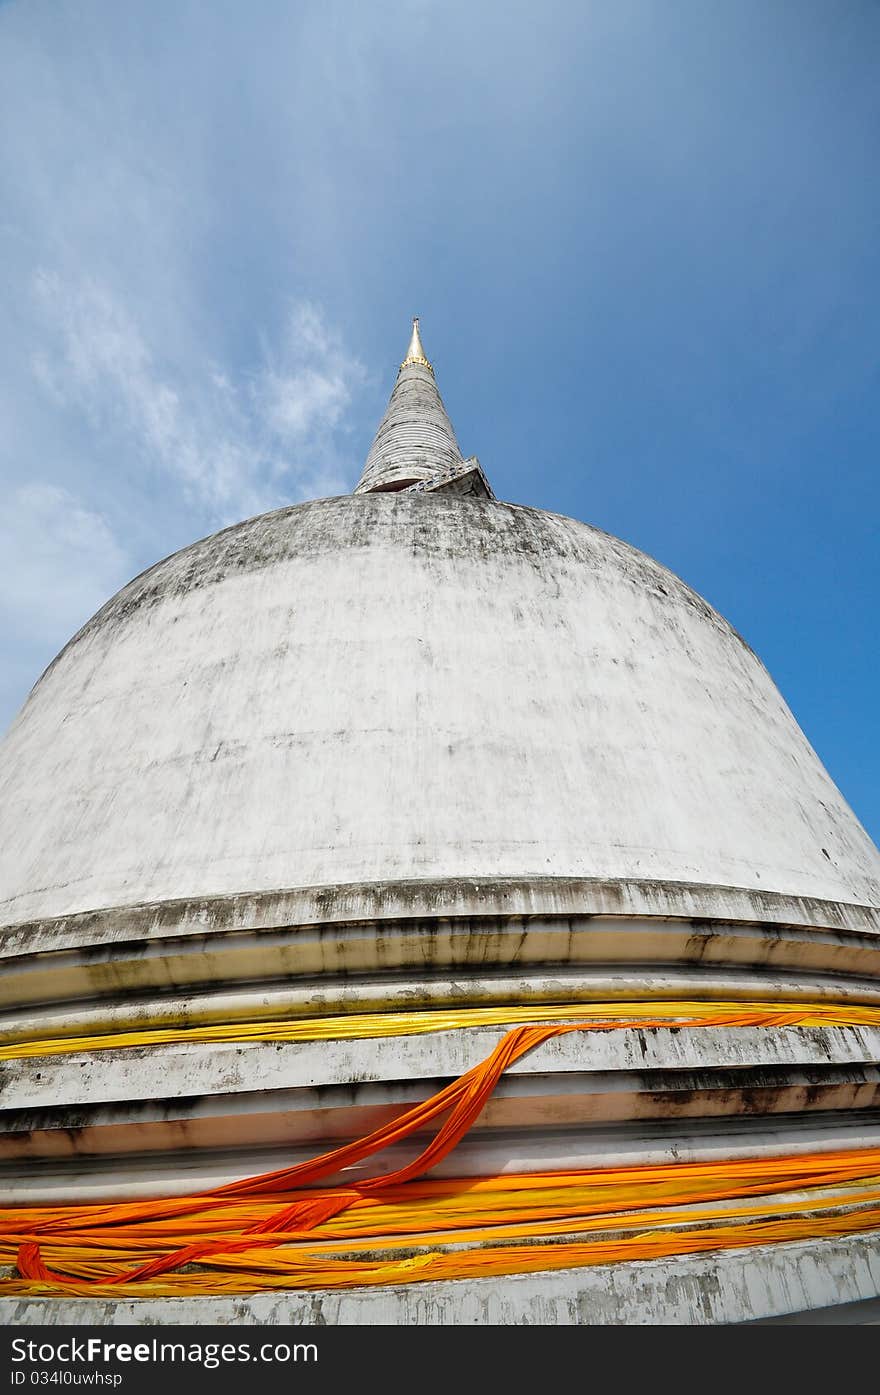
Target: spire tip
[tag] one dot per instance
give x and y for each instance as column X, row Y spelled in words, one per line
column 415, row 353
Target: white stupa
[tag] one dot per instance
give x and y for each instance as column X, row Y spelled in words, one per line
column 415, row 746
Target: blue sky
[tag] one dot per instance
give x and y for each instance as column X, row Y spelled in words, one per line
column 643, row 239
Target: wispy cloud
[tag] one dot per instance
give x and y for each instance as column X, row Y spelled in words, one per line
column 183, row 445
column 58, row 560
column 305, row 393
column 233, row 448
column 141, row 406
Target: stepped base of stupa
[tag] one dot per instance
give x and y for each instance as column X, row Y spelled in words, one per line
column 703, row 1108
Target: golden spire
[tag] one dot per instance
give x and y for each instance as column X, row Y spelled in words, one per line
column 415, row 353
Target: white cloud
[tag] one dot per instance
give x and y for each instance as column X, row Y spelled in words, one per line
column 140, row 407
column 59, row 561
column 233, row 450
column 301, row 402
column 173, row 449
column 303, row 393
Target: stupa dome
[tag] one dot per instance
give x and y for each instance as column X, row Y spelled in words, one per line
column 411, row 687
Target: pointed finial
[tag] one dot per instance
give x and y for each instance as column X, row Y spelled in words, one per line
column 415, row 353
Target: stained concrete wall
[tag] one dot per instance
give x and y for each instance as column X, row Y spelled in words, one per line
column 378, row 687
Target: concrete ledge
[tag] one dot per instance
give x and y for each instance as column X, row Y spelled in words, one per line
column 347, row 904
column 482, row 1153
column 191, row 1069
column 695, row 1290
column 38, row 971
column 277, row 1118
column 863, row 1313
column 303, row 997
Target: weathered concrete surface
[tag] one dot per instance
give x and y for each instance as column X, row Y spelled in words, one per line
column 466, row 479
column 714, row 922
column 189, row 1068
column 695, row 1290
column 410, row 686
column 97, row 1114
column 862, row 1313
column 482, row 1153
column 132, row 1002
column 276, row 1117
column 622, row 956
column 197, row 1096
